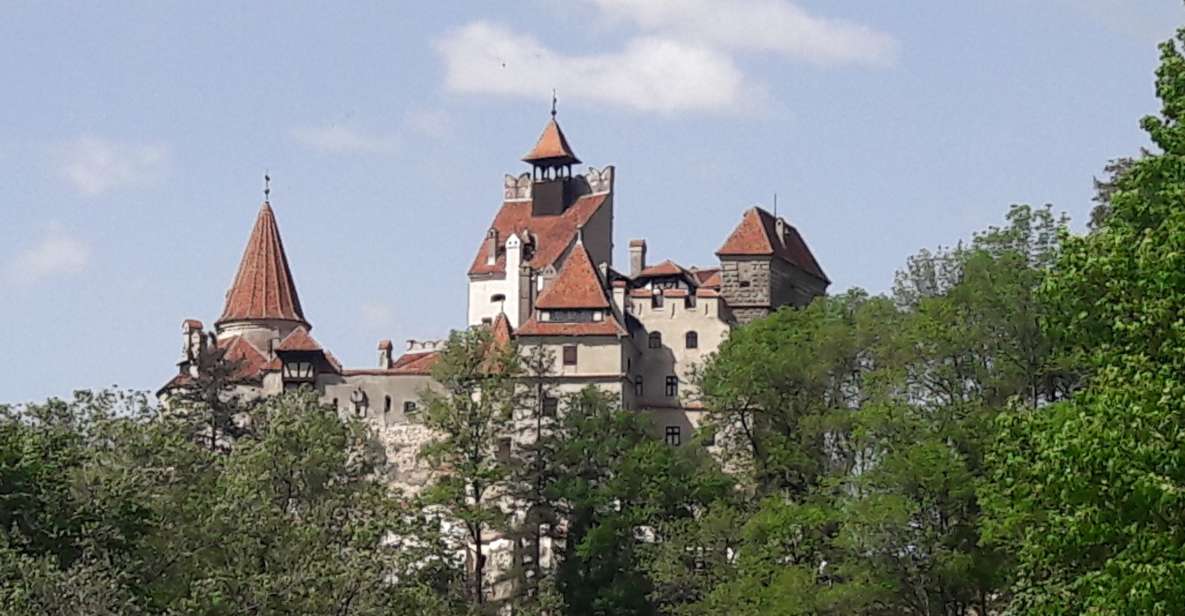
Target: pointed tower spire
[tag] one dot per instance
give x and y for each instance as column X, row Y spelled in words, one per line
column 552, row 149
column 263, row 289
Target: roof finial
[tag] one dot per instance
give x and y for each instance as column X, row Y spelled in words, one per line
column 775, row 205
column 267, row 187
column 553, row 101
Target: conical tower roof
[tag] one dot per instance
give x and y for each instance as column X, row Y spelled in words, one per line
column 552, row 147
column 263, row 288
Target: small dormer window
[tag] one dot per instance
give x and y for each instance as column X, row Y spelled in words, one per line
column 302, row 371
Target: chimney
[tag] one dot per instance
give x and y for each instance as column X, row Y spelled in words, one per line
column 193, row 343
column 385, row 347
column 491, row 246
column 637, row 257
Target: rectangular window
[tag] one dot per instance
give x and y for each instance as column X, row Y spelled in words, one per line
column 638, row 389
column 409, row 407
column 672, row 386
column 503, row 454
column 656, row 300
column 674, row 437
column 550, row 406
column 570, row 355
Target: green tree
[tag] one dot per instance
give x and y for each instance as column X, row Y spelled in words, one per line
column 471, row 416
column 1088, row 492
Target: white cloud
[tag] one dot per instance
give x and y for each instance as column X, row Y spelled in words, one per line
column 776, row 26
column 95, row 166
column 56, row 252
column 650, row 73
column 335, row 139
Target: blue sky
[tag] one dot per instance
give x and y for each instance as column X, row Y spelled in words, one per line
column 134, row 137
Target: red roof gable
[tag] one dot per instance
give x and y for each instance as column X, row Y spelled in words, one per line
column 250, row 361
column 552, row 234
column 415, row 363
column 501, row 329
column 577, row 286
column 757, row 235
column 298, row 340
column 666, row 268
column 552, row 147
column 263, row 287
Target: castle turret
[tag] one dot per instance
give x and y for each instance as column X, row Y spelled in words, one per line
column 552, row 188
column 262, row 304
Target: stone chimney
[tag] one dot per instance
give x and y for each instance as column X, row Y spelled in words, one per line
column 193, row 344
column 637, row 257
column 385, row 347
column 491, row 246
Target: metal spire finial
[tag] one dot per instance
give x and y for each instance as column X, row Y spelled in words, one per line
column 267, row 187
column 553, row 101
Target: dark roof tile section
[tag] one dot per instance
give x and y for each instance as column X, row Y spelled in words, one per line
column 552, row 147
column 578, row 285
column 263, row 287
column 757, row 235
column 551, row 234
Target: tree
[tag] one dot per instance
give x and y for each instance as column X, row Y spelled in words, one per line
column 141, row 519
column 471, row 416
column 1088, row 492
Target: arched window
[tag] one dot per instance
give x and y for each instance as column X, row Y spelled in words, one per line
column 655, row 340
column 691, row 340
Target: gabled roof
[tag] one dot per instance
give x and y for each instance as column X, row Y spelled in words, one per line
column 578, row 285
column 263, row 287
column 551, row 234
column 757, row 235
column 501, row 330
column 709, row 278
column 298, row 340
column 666, row 268
column 251, row 362
column 415, row 363
column 552, row 147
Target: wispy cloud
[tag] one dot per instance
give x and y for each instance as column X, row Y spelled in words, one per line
column 775, row 26
column 94, row 165
column 338, row 139
column 681, row 57
column 56, row 252
column 650, row 73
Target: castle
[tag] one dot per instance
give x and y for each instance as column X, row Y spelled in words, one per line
column 543, row 275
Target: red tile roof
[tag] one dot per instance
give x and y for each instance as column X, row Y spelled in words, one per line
column 757, row 235
column 416, row 363
column 298, row 340
column 709, row 278
column 576, row 286
column 552, row 234
column 666, row 268
column 608, row 327
column 251, row 362
column 263, row 287
column 501, row 329
column 552, row 147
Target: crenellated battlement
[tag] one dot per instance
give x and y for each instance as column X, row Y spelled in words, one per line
column 593, row 182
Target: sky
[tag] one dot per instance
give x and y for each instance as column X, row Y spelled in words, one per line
column 134, row 137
